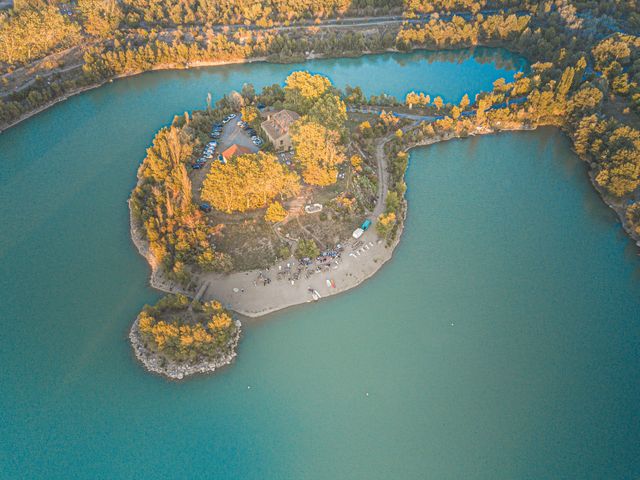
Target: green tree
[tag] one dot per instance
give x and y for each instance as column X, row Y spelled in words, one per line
column 307, row 249
column 464, row 103
column 101, row 17
column 329, row 111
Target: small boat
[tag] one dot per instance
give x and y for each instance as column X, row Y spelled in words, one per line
column 328, row 283
column 333, row 284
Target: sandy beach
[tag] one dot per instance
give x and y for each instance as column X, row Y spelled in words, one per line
column 246, row 292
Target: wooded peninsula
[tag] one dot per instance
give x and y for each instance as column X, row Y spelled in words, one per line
column 267, row 192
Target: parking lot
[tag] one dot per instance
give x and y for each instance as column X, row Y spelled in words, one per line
column 231, row 134
column 234, row 134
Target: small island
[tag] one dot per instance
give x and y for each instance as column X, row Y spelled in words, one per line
column 276, row 198
column 269, row 199
column 178, row 337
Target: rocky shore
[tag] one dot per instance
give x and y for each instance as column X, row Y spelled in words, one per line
column 238, row 292
column 156, row 363
column 157, row 280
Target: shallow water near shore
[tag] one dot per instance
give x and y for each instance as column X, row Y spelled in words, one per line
column 501, row 342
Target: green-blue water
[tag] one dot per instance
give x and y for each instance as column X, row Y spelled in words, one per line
column 538, row 377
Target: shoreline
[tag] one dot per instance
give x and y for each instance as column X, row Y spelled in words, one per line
column 221, row 286
column 93, row 86
column 241, row 294
column 217, row 63
column 155, row 363
column 254, row 301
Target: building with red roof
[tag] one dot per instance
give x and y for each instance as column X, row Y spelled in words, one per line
column 235, row 150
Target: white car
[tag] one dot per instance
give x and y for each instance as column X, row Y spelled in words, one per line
column 232, row 115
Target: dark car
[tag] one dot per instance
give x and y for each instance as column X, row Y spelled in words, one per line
column 196, row 166
column 205, row 207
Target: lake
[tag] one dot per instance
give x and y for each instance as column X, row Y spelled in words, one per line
column 501, row 342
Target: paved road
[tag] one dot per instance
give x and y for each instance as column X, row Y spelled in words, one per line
column 383, row 174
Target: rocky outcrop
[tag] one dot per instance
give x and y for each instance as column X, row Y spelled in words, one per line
column 156, row 363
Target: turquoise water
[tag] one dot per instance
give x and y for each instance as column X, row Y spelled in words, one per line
column 538, row 377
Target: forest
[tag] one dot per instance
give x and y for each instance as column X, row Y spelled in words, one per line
column 162, row 204
column 95, row 40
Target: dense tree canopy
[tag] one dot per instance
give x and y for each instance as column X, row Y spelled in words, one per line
column 248, row 182
column 32, row 32
column 162, row 203
column 101, row 17
column 303, row 89
column 330, row 111
column 318, row 152
column 164, row 329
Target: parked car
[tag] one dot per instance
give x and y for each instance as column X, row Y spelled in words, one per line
column 205, row 207
column 196, row 166
column 232, row 115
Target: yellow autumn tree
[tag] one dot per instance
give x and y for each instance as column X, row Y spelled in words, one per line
column 356, row 162
column 414, row 98
column 220, row 321
column 248, row 182
column 318, row 152
column 364, row 126
column 385, row 223
column 302, row 89
column 275, row 212
column 249, row 113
